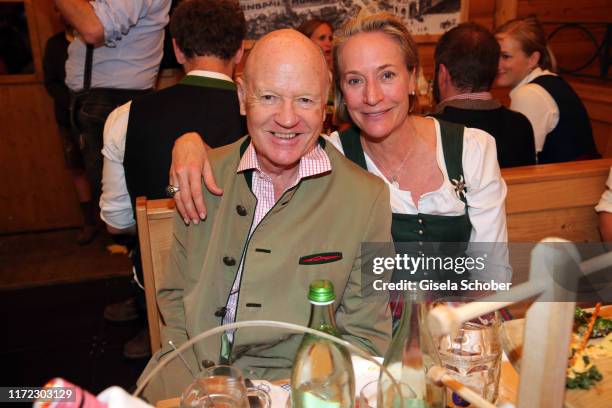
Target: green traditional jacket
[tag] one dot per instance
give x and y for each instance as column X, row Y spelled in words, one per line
column 314, row 231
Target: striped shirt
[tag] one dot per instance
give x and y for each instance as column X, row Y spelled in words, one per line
column 482, row 96
column 311, row 164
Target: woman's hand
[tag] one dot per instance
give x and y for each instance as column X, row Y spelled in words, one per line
column 189, row 164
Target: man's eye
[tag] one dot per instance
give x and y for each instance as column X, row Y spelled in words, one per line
column 268, row 98
column 353, row 81
column 305, row 100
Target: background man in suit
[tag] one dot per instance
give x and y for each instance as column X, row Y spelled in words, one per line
column 138, row 136
column 466, row 60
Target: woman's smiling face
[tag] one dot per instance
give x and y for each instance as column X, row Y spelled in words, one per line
column 375, row 83
column 514, row 64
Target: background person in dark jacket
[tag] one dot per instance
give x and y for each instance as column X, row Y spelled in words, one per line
column 466, row 60
column 207, row 36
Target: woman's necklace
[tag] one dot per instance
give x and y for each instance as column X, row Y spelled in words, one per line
column 393, row 176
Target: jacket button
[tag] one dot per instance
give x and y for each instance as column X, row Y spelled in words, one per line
column 229, row 261
column 420, row 220
column 421, row 232
column 220, row 312
column 241, row 210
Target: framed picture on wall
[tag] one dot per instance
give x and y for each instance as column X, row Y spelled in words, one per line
column 426, row 19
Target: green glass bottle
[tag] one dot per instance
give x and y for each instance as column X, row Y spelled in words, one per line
column 322, row 373
column 412, row 352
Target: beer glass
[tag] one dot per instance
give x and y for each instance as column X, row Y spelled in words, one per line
column 383, row 394
column 473, row 354
column 221, row 387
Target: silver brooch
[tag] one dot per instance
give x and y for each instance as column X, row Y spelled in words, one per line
column 459, row 187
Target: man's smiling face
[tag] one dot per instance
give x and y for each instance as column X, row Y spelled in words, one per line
column 283, row 94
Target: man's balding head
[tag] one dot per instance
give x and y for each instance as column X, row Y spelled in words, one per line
column 283, row 92
column 282, row 47
column 470, row 54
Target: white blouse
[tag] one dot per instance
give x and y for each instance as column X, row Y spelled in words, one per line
column 605, row 202
column 486, row 191
column 537, row 104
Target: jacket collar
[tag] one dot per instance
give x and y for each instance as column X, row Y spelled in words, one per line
column 248, row 174
column 208, row 82
column 470, row 104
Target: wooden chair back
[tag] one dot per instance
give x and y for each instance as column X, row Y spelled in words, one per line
column 155, row 223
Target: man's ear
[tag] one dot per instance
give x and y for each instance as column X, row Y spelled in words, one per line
column 444, row 81
column 443, row 75
column 239, row 54
column 241, row 88
column 180, row 57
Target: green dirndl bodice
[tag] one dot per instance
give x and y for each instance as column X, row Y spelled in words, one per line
column 422, row 229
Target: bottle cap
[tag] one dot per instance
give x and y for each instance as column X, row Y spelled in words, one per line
column 321, row 291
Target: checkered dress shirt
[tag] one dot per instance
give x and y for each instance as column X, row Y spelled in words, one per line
column 311, row 164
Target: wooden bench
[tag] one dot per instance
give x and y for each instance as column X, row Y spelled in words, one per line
column 555, row 200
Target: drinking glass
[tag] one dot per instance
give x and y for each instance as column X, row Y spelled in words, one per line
column 473, row 354
column 221, row 387
column 383, row 394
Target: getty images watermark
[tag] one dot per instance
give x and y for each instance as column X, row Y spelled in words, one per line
column 477, row 269
column 438, row 267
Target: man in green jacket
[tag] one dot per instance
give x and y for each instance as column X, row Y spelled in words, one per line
column 293, row 210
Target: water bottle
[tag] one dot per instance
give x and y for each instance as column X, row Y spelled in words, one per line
column 322, row 373
column 412, row 352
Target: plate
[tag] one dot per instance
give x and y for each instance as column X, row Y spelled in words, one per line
column 599, row 396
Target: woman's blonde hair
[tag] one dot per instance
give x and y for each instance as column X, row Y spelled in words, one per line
column 530, row 35
column 385, row 23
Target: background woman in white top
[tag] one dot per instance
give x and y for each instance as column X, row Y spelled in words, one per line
column 561, row 125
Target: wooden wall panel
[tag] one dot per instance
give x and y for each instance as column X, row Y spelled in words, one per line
column 571, row 47
column 602, row 132
column 47, row 20
column 597, row 98
column 480, row 11
column 37, row 191
column 567, row 10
